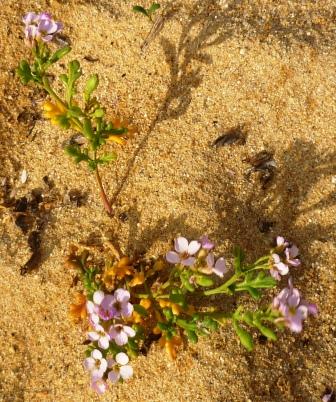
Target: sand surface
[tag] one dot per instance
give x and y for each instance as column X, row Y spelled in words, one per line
column 268, row 66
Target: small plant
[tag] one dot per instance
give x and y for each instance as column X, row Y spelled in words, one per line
column 148, row 12
column 129, row 303
column 86, row 116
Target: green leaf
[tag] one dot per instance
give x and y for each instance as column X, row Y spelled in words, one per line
column 140, row 310
column 88, row 130
column 59, row 54
column 24, row 72
column 139, row 9
column 244, row 336
column 266, row 332
column 64, row 78
column 74, row 73
column 185, row 277
column 99, row 113
column 107, row 158
column 75, row 152
column 75, row 111
column 178, row 299
column 168, row 313
column 189, row 326
column 91, row 86
column 192, row 336
column 63, row 121
column 204, row 280
column 153, row 8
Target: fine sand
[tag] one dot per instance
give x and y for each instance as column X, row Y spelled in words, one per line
column 267, row 66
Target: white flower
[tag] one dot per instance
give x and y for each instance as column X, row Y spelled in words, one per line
column 96, row 364
column 101, row 336
column 120, row 368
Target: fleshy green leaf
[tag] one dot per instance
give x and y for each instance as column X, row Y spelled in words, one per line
column 24, row 72
column 244, row 336
column 192, row 336
column 153, row 8
column 90, row 87
column 204, row 280
column 139, row 9
column 238, row 259
column 88, row 130
column 59, row 54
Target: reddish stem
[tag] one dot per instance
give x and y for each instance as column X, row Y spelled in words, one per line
column 103, row 195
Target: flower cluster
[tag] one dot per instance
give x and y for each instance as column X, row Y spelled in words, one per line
column 129, row 302
column 40, row 27
column 107, row 360
column 283, row 256
column 293, row 308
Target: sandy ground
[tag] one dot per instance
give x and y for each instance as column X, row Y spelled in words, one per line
column 267, row 65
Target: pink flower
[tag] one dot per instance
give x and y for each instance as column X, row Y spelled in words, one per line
column 293, row 309
column 40, row 27
column 120, row 368
column 183, row 252
column 291, row 253
column 278, row 268
column 206, row 243
column 92, row 307
column 99, row 386
column 96, row 364
column 218, row 268
column 120, row 333
column 116, row 306
column 101, row 336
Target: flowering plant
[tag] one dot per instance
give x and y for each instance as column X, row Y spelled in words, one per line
column 129, row 303
column 64, row 111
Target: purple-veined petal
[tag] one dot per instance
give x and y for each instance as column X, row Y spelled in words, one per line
column 45, row 16
column 293, row 251
column 129, row 331
column 111, row 362
column 126, row 310
column 47, row 26
column 47, row 38
column 282, row 268
column 114, row 376
column 276, row 258
column 98, row 297
column 126, row 372
column 172, row 257
column 193, row 247
column 210, row 260
column 294, row 298
column 89, row 363
column 96, row 354
column 188, row 262
column 99, row 386
column 206, row 243
column 181, row 245
column 120, row 338
column 275, row 274
column 29, row 18
column 220, row 267
column 104, row 342
column 122, row 358
column 93, row 336
column 122, row 295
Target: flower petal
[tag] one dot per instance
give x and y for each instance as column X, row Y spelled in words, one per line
column 126, row 372
column 122, row 295
column 98, row 297
column 120, row 338
column 93, row 336
column 126, row 310
column 129, row 331
column 104, row 342
column 220, row 267
column 210, row 260
column 188, row 262
column 99, row 386
column 172, row 257
column 114, row 376
column 96, row 354
column 181, row 245
column 122, row 358
column 89, row 363
column 193, row 247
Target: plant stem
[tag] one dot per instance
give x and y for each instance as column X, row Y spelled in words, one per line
column 103, row 195
column 223, row 288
